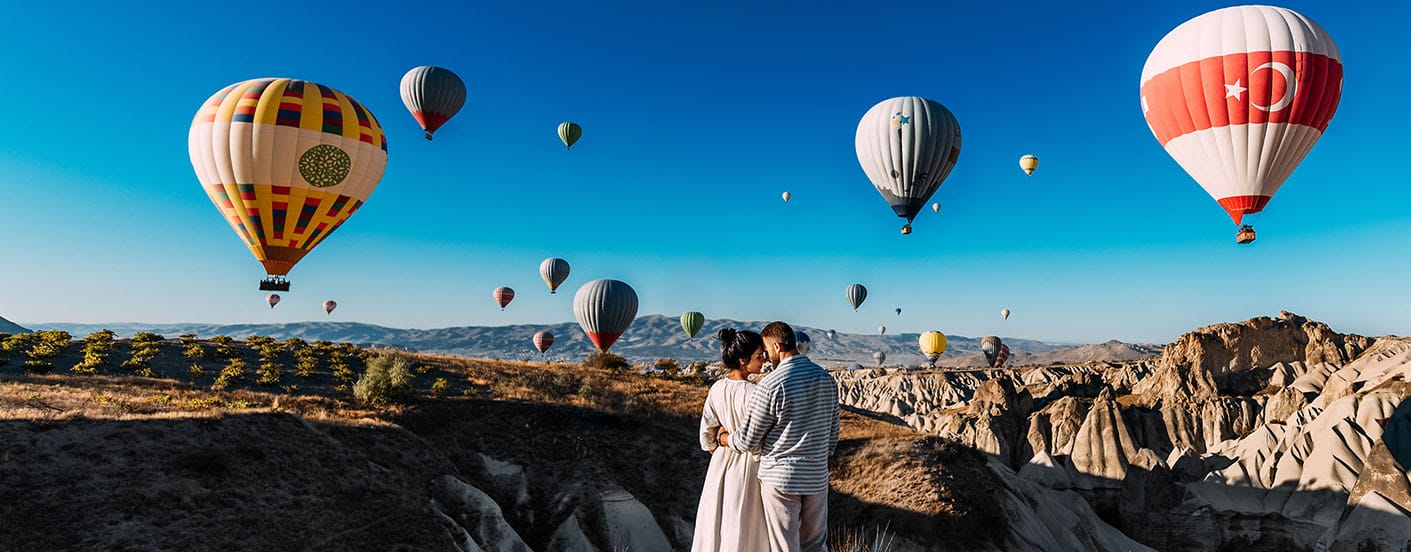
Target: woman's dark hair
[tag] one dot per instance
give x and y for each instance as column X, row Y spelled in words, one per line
column 736, row 347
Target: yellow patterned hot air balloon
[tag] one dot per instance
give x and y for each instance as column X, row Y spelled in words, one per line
column 286, row 162
column 1028, row 163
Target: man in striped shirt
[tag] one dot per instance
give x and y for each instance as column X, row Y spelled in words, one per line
column 792, row 422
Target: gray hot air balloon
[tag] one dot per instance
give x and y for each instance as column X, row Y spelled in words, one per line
column 554, row 271
column 881, row 330
column 802, row 342
column 907, row 146
column 990, row 346
column 832, row 334
column 604, row 309
column 433, row 95
column 880, row 357
column 857, row 293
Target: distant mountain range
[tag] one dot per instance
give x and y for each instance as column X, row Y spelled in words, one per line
column 9, row 327
column 650, row 337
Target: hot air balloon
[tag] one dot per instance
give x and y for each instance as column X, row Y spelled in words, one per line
column 1001, row 356
column 286, row 162
column 990, row 346
column 604, row 309
column 503, row 296
column 273, row 299
column 692, row 322
column 1004, row 313
column 933, row 344
column 856, row 295
column 433, row 95
column 1238, row 96
column 936, row 207
column 542, row 341
column 907, row 146
column 832, row 334
column 1028, row 163
column 880, row 357
column 570, row 133
column 854, row 366
column 328, row 306
column 802, row 341
column 898, row 311
column 881, row 330
column 787, row 196
column 554, row 271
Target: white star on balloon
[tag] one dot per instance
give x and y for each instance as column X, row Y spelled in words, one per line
column 1234, row 90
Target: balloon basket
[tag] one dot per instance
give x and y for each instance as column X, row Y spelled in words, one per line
column 906, row 230
column 1245, row 235
column 274, row 284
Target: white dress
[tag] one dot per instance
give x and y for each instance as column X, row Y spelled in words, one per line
column 731, row 514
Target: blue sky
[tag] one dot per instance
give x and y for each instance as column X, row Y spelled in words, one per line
column 696, row 118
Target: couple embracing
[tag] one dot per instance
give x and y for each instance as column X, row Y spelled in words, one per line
column 767, row 486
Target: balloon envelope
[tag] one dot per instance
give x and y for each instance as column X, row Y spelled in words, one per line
column 787, row 196
column 554, row 271
column 803, row 342
column 857, row 293
column 832, row 334
column 1028, row 163
column 569, row 133
column 692, row 322
column 1004, row 313
column 433, row 95
column 933, row 344
column 1238, row 96
column 604, row 309
column 936, row 207
column 272, row 299
column 990, row 346
column 503, row 296
column 1001, row 356
column 542, row 341
column 907, row 146
column 329, row 305
column 882, row 330
column 286, row 162
column 880, row 357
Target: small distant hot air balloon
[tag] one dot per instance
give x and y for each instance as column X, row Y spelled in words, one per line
column 604, row 309
column 542, row 341
column 933, row 344
column 1001, row 356
column 1004, row 313
column 1238, row 96
column 856, row 295
column 787, row 196
column 1029, row 163
column 880, row 357
column 936, row 207
column 832, row 334
column 907, row 146
column 503, row 296
column 570, row 133
column 433, row 95
column 554, row 271
column 286, row 162
column 273, row 299
column 692, row 322
column 898, row 311
column 329, row 305
column 990, row 346
column 855, row 366
column 802, row 341
column 882, row 330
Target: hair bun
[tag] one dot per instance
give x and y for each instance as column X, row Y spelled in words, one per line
column 726, row 335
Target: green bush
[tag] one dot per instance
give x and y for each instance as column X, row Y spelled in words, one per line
column 386, row 379
column 669, row 366
column 269, row 373
column 606, row 361
column 195, row 351
column 438, row 388
column 187, row 339
column 258, row 340
column 145, row 338
column 38, row 366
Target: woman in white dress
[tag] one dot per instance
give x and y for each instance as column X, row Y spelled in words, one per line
column 731, row 514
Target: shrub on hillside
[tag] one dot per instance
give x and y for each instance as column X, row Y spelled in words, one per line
column 606, row 361
column 386, row 379
column 669, row 367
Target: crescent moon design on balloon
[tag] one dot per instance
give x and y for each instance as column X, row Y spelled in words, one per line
column 1290, row 89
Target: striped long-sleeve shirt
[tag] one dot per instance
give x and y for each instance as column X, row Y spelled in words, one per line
column 792, row 423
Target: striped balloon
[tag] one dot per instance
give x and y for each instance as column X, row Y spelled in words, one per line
column 880, row 357
column 433, row 95
column 503, row 296
column 554, row 271
column 1238, row 96
column 990, row 346
column 542, row 341
column 1001, row 356
column 857, row 293
column 604, row 309
column 1028, row 163
column 286, row 162
column 329, row 305
column 570, row 133
column 907, row 146
column 691, row 322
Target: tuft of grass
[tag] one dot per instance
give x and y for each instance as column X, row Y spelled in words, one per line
column 860, row 539
column 386, row 379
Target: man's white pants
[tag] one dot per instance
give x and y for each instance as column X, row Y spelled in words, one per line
column 796, row 523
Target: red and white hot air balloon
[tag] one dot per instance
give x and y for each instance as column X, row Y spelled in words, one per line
column 503, row 296
column 329, row 305
column 1238, row 96
column 272, row 299
column 604, row 309
column 542, row 341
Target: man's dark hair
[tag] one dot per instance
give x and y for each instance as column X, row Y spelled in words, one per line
column 783, row 333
